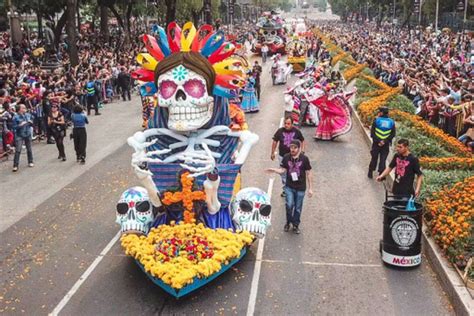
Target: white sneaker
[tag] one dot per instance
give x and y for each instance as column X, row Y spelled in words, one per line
column 31, row 165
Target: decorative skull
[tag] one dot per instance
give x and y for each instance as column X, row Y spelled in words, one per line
column 184, row 93
column 135, row 213
column 251, row 211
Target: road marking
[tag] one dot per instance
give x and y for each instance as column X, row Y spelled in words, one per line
column 258, row 263
column 327, row 264
column 84, row 276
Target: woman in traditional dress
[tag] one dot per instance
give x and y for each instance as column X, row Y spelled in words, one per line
column 335, row 116
column 249, row 99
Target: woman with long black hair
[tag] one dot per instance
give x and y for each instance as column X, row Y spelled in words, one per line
column 57, row 125
column 79, row 120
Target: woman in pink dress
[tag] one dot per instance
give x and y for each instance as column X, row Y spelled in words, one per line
column 335, row 115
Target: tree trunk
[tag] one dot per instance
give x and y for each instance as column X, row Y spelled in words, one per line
column 104, row 23
column 128, row 28
column 78, row 15
column 60, row 26
column 71, row 32
column 117, row 16
column 170, row 11
column 39, row 18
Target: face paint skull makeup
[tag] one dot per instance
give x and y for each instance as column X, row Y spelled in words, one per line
column 251, row 211
column 184, row 93
column 135, row 211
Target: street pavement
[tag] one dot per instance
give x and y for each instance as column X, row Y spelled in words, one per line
column 333, row 267
column 24, row 190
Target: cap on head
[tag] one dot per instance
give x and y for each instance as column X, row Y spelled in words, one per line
column 296, row 143
column 384, row 110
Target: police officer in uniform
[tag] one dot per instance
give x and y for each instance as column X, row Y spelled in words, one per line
column 92, row 97
column 382, row 133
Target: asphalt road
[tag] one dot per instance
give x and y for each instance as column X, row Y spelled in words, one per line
column 333, row 267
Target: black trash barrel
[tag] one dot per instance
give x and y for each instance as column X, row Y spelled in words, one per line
column 401, row 244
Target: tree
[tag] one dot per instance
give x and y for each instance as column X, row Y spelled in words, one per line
column 71, row 32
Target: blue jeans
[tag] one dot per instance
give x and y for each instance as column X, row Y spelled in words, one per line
column 294, row 205
column 18, row 144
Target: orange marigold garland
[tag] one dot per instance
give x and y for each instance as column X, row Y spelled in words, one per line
column 353, row 72
column 452, row 213
column 187, row 196
column 448, row 163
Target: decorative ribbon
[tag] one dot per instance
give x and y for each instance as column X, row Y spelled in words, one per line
column 174, row 37
column 152, row 47
column 187, row 36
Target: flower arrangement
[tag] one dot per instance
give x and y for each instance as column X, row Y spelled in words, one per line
column 187, row 196
column 448, row 163
column 177, row 254
column 381, row 85
column 368, row 109
column 338, row 58
column 449, row 142
column 452, row 220
column 353, row 72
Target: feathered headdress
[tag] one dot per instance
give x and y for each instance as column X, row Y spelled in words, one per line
column 210, row 44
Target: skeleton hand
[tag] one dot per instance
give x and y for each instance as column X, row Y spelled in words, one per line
column 140, row 157
column 205, row 159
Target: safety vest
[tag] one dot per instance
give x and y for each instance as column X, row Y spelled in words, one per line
column 90, row 88
column 383, row 127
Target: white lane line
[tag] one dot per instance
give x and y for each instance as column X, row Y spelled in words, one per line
column 258, row 264
column 84, row 276
column 327, row 264
column 258, row 261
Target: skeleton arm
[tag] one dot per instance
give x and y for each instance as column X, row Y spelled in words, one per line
column 211, row 185
column 248, row 139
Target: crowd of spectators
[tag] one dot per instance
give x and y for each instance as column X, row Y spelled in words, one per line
column 434, row 69
column 103, row 73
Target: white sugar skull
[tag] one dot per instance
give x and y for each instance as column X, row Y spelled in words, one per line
column 184, row 93
column 251, row 211
column 135, row 213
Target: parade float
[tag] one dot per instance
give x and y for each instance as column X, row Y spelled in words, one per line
column 271, row 33
column 296, row 50
column 189, row 221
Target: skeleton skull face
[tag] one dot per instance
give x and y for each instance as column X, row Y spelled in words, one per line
column 184, row 93
column 134, row 211
column 251, row 211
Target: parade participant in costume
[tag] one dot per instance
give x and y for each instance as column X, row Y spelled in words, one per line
column 335, row 116
column 406, row 166
column 249, row 99
column 382, row 132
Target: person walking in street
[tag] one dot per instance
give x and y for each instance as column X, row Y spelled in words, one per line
column 283, row 138
column 297, row 168
column 124, row 80
column 256, row 72
column 406, row 167
column 92, row 97
column 79, row 120
column 57, row 125
column 264, row 51
column 382, row 134
column 22, row 123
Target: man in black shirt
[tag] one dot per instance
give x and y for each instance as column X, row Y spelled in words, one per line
column 124, row 80
column 283, row 138
column 406, row 167
column 297, row 168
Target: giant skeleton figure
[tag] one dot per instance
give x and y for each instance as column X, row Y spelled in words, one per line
column 189, row 130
